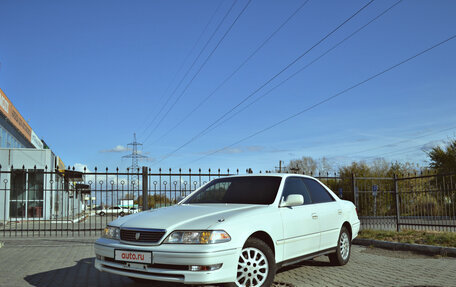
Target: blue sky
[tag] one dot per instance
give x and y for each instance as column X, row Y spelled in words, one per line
column 88, row 74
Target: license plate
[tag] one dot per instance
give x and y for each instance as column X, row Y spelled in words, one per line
column 133, row 256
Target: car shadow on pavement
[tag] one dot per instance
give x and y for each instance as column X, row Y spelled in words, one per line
column 85, row 274
column 318, row 263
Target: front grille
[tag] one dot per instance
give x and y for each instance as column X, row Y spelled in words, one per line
column 145, row 235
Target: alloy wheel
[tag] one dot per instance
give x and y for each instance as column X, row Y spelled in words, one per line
column 344, row 246
column 252, row 268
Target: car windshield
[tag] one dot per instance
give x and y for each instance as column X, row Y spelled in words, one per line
column 243, row 190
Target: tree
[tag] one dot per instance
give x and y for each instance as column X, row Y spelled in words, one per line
column 129, row 196
column 308, row 165
column 443, row 160
column 156, row 201
column 359, row 168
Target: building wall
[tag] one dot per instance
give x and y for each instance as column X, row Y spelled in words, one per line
column 29, row 160
column 34, row 193
column 27, row 186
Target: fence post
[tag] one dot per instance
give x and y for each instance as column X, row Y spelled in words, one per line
column 145, row 184
column 355, row 199
column 396, row 193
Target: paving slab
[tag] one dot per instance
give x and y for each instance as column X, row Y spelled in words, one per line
column 69, row 262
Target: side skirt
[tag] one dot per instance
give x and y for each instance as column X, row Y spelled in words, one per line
column 305, row 257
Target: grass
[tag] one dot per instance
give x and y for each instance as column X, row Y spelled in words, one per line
column 447, row 239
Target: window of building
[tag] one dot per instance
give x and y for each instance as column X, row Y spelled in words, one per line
column 26, row 198
column 3, row 143
column 35, row 193
column 18, row 196
column 8, row 140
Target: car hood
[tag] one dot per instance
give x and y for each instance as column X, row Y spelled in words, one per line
column 194, row 216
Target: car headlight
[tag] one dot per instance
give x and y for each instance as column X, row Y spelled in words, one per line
column 198, row 237
column 111, row 232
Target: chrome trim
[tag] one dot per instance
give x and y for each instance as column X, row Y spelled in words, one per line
column 167, row 251
column 143, row 229
column 139, row 243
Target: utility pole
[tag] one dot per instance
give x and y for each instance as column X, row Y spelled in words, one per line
column 280, row 166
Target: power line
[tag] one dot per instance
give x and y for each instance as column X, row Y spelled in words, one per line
column 265, row 41
column 398, row 142
column 191, row 66
column 401, row 151
column 402, row 141
column 200, row 68
column 182, row 66
column 331, row 97
column 304, row 67
column 268, row 81
column 397, row 152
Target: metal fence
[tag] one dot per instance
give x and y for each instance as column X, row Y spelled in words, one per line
column 420, row 202
column 42, row 202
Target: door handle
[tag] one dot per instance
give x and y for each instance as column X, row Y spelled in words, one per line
column 314, row 216
column 339, row 211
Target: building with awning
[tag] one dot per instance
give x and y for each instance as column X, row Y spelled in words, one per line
column 33, row 187
column 15, row 132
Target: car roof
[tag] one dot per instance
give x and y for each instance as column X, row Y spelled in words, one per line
column 271, row 175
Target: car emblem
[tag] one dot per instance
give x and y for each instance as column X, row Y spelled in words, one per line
column 137, row 235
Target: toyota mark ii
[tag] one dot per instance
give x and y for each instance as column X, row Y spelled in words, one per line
column 235, row 230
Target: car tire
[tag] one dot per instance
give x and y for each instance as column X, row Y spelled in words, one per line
column 343, row 251
column 256, row 259
column 101, row 213
column 122, row 214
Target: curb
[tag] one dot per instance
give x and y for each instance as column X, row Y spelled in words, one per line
column 418, row 248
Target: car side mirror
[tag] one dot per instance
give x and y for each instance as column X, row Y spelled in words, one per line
column 293, row 200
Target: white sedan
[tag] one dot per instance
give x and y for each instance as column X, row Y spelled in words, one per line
column 235, row 230
column 116, row 210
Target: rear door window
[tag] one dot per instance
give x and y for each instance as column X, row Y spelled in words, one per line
column 317, row 192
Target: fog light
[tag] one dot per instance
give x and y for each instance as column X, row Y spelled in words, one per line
column 204, row 267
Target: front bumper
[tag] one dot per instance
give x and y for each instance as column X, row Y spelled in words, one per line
column 170, row 263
